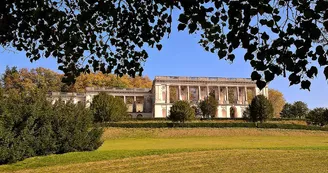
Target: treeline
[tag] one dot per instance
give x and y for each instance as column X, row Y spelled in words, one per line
column 25, row 79
column 32, row 126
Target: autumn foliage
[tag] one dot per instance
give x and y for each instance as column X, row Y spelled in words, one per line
column 25, row 79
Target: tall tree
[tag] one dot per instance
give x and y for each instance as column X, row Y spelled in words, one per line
column 209, row 106
column 280, row 38
column 260, row 109
column 277, row 100
column 286, row 112
column 298, row 109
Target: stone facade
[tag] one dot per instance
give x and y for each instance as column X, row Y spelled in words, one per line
column 157, row 101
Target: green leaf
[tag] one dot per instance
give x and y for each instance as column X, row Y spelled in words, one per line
column 255, row 75
column 319, row 50
column 159, row 46
column 254, row 30
column 268, row 76
column 222, row 53
column 183, row 18
column 306, row 84
column 263, row 22
column 224, row 17
column 276, row 18
column 231, row 57
column 326, row 72
column 265, row 36
column 181, row 27
column 260, row 84
column 313, row 71
column 192, row 27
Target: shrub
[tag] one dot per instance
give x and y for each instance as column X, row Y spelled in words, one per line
column 318, row 116
column 32, row 126
column 260, row 109
column 107, row 108
column 181, row 112
column 209, row 106
column 246, row 113
column 72, row 124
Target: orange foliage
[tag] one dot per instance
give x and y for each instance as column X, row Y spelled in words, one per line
column 110, row 80
column 25, row 79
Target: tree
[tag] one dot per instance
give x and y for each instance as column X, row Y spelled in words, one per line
column 300, row 109
column 107, row 108
column 318, row 116
column 181, row 111
column 280, row 38
column 286, row 111
column 24, row 79
column 250, row 96
column 209, row 106
column 110, row 80
column 246, row 114
column 260, row 109
column 277, row 100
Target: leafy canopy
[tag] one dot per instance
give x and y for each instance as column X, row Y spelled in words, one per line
column 181, row 111
column 298, row 109
column 277, row 100
column 318, row 116
column 209, row 105
column 107, row 108
column 48, row 80
column 281, row 37
column 260, row 109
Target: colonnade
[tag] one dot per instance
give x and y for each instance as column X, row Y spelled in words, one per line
column 218, row 93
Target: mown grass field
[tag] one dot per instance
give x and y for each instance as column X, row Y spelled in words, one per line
column 192, row 150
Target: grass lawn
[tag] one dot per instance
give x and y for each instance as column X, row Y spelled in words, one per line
column 192, row 150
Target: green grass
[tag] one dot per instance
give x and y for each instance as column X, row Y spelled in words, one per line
column 184, row 150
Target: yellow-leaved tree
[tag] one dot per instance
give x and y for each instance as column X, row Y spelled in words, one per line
column 277, row 100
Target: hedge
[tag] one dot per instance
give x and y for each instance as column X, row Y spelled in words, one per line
column 211, row 125
column 217, row 119
column 170, row 124
column 291, row 126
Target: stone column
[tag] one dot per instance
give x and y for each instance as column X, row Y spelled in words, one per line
column 208, row 91
column 167, row 94
column 219, row 92
column 246, row 101
column 199, row 93
column 179, row 95
column 267, row 92
column 124, row 98
column 134, row 106
column 188, row 93
column 227, row 95
column 238, row 100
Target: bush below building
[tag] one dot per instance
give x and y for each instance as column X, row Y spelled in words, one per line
column 32, row 126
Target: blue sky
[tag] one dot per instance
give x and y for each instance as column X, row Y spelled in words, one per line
column 181, row 55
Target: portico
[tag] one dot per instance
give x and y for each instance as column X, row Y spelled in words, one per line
column 230, row 93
